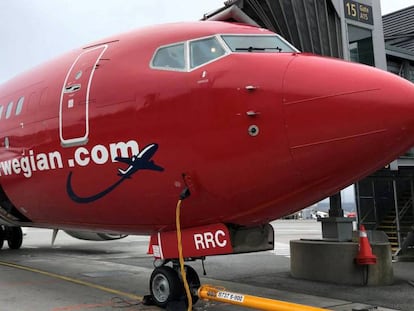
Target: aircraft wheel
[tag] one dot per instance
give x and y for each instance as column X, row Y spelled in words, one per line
column 2, row 236
column 165, row 286
column 14, row 237
column 193, row 282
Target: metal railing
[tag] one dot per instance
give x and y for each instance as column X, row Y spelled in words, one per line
column 405, row 208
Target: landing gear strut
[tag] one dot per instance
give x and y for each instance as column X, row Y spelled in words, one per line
column 166, row 285
column 13, row 235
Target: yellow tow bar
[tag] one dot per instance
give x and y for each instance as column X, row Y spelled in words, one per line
column 208, row 292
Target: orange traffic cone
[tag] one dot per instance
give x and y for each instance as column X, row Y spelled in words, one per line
column 365, row 255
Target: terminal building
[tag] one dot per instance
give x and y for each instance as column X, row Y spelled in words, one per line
column 385, row 199
column 355, row 31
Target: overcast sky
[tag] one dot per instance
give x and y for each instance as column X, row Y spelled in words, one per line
column 33, row 31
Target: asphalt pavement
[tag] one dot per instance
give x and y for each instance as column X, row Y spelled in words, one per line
column 114, row 275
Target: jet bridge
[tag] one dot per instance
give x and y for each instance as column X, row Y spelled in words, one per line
column 338, row 28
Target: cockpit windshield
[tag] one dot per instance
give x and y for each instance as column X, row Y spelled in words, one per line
column 188, row 55
column 204, row 51
column 257, row 44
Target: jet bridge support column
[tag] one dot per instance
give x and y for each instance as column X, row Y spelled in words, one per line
column 335, row 206
column 336, row 227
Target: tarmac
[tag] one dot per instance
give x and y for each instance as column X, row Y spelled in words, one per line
column 86, row 275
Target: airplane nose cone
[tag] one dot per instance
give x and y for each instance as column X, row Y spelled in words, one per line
column 345, row 119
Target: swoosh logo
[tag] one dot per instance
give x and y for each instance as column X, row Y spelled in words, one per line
column 141, row 161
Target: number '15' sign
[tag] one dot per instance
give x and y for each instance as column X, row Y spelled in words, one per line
column 358, row 12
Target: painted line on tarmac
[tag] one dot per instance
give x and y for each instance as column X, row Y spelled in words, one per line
column 72, row 280
column 84, row 306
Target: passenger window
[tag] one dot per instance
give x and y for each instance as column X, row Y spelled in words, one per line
column 170, row 57
column 19, row 106
column 9, row 110
column 204, row 51
column 1, row 111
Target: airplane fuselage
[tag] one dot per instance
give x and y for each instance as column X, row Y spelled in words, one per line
column 254, row 135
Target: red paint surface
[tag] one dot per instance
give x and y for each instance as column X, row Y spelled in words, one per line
column 197, row 242
column 324, row 124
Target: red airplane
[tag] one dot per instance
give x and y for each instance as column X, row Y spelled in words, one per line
column 107, row 137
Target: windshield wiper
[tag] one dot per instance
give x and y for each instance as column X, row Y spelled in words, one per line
column 252, row 48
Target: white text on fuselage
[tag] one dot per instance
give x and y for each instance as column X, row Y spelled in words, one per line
column 27, row 165
column 208, row 239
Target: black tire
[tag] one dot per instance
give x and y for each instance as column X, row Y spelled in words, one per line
column 14, row 237
column 2, row 236
column 165, row 286
column 193, row 282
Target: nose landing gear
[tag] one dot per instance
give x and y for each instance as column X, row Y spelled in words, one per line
column 166, row 285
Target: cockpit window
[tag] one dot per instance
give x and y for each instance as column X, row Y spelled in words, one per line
column 257, row 44
column 170, row 57
column 191, row 54
column 204, row 51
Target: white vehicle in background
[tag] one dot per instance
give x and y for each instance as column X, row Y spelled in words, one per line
column 319, row 214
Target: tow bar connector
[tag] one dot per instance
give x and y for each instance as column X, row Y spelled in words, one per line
column 208, row 292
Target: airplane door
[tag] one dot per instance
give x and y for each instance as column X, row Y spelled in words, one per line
column 75, row 98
